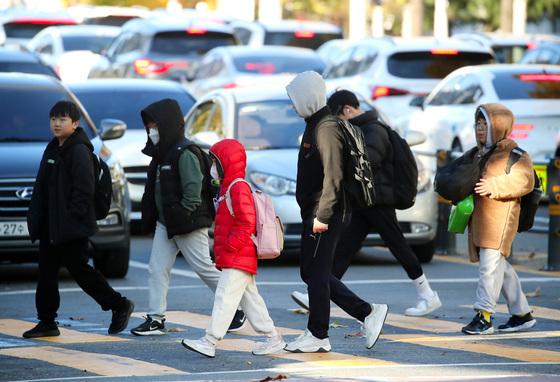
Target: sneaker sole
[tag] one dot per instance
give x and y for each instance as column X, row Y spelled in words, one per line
column 485, row 332
column 378, row 329
column 196, row 351
column 275, row 349
column 313, row 350
column 414, row 314
column 51, row 333
column 150, row 333
column 299, row 302
column 525, row 326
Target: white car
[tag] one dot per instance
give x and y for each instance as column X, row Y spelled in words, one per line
column 392, row 71
column 532, row 92
column 265, row 122
column 72, row 50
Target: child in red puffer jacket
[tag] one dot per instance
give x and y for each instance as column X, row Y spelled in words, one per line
column 236, row 256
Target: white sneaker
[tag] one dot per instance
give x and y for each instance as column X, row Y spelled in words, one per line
column 202, row 346
column 424, row 306
column 308, row 343
column 270, row 345
column 302, row 299
column 374, row 323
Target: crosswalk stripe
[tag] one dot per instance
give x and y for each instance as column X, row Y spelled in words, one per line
column 15, row 328
column 518, row 268
column 538, row 311
column 101, row 364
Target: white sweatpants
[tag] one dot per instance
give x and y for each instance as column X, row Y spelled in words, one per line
column 237, row 286
column 195, row 249
column 495, row 274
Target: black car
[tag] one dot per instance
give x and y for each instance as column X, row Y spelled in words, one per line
column 546, row 53
column 16, row 59
column 165, row 48
column 24, row 134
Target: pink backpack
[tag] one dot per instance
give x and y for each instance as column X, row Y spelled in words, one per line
column 270, row 231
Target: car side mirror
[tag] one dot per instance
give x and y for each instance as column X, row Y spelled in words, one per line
column 206, row 139
column 418, row 101
column 414, row 137
column 112, row 129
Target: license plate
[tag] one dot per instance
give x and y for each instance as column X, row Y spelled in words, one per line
column 540, row 169
column 13, row 229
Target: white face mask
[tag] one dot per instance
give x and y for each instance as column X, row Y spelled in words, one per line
column 154, row 136
column 214, row 172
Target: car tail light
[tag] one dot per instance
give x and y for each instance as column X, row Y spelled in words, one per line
column 384, row 91
column 35, row 21
column 230, row 85
column 145, row 66
column 523, row 127
column 445, row 52
column 261, row 67
column 531, row 45
column 521, row 130
column 194, row 30
column 537, row 77
column 304, row 34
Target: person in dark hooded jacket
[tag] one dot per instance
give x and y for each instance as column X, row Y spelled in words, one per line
column 61, row 216
column 177, row 205
column 381, row 217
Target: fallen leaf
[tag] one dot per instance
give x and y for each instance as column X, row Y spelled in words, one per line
column 249, row 363
column 535, row 293
column 335, row 324
column 532, row 255
column 175, row 330
column 356, row 334
column 299, row 311
column 76, row 318
column 277, row 378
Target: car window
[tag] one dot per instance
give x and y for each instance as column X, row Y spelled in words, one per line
column 302, row 39
column 268, row 125
column 432, row 64
column 531, row 57
column 469, row 90
column 362, row 57
column 45, row 49
column 205, row 68
column 189, row 44
column 338, row 68
column 447, row 94
column 92, row 43
column 276, row 64
column 216, row 124
column 242, row 34
column 26, row 67
column 126, row 104
column 117, row 44
column 27, row 30
column 133, row 44
column 527, row 85
column 198, row 120
column 29, row 121
column 547, row 56
column 508, row 54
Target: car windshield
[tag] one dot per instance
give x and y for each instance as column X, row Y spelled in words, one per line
column 527, row 85
column 193, row 44
column 127, row 104
column 116, row 20
column 302, row 39
column 433, row 64
column 276, row 64
column 508, row 54
column 24, row 121
column 93, row 43
column 26, row 67
column 27, row 30
column 269, row 125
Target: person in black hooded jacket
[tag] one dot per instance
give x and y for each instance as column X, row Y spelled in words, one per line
column 177, row 206
column 61, row 216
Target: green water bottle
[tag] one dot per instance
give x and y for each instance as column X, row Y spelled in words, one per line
column 460, row 215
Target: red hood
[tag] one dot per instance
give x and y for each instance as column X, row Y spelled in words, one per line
column 232, row 159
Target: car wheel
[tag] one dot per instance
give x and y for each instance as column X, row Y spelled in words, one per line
column 424, row 252
column 113, row 263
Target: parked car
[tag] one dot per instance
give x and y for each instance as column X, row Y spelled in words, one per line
column 163, row 48
column 123, row 99
column 392, row 71
column 19, row 26
column 239, row 66
column 507, row 48
column 532, row 92
column 72, row 50
column 331, row 50
column 548, row 53
column 303, row 34
column 17, row 59
column 108, row 15
column 24, row 134
column 266, row 124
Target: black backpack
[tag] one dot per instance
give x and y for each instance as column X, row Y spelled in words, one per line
column 405, row 170
column 529, row 202
column 103, row 188
column 358, row 175
column 206, row 164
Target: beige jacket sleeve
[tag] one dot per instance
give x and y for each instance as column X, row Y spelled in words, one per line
column 520, row 181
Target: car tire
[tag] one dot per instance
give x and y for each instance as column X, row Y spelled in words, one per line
column 113, row 263
column 424, row 252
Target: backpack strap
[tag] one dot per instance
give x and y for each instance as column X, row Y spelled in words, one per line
column 514, row 156
column 228, row 198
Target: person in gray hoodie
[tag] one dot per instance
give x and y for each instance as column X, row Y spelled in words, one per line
column 325, row 212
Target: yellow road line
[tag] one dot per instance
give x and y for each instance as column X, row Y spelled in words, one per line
column 101, row 364
column 16, row 328
column 466, row 338
column 518, row 268
column 538, row 311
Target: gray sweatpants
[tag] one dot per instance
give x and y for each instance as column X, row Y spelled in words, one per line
column 495, row 274
column 194, row 247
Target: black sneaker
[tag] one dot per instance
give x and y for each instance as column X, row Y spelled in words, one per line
column 150, row 327
column 518, row 323
column 238, row 321
column 478, row 325
column 43, row 329
column 121, row 316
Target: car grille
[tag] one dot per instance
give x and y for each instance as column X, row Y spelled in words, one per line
column 15, row 196
column 136, row 175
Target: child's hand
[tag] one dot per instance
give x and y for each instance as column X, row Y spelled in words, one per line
column 482, row 188
column 319, row 227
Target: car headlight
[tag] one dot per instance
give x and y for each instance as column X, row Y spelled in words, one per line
column 424, row 176
column 117, row 172
column 272, row 184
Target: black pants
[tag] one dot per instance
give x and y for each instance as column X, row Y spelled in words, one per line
column 384, row 220
column 73, row 256
column 317, row 256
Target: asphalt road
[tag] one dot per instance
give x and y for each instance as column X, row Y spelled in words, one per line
column 416, row 349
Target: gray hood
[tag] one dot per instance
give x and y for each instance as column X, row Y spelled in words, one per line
column 308, row 93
